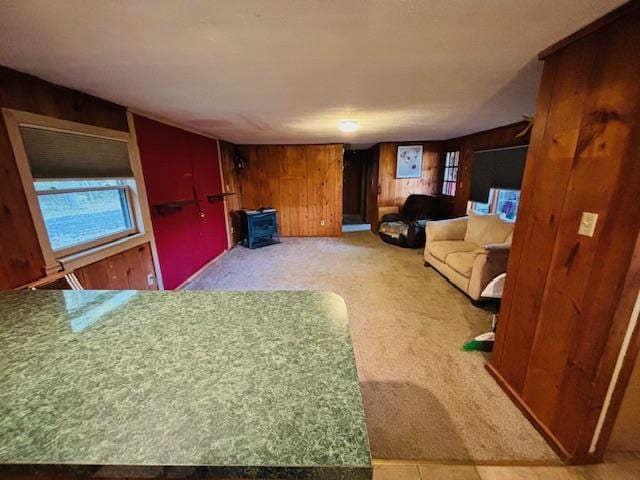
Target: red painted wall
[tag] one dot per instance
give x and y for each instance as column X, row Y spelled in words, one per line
column 180, row 165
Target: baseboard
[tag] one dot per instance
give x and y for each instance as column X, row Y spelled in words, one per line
column 364, row 227
column 553, row 442
column 202, row 269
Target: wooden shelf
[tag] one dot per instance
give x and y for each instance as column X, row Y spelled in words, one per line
column 216, row 197
column 164, row 208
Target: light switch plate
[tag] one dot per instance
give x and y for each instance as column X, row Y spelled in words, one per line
column 588, row 224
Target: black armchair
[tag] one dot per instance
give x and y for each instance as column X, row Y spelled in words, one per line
column 405, row 227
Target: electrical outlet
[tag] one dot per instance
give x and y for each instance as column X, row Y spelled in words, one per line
column 322, row 223
column 151, row 279
column 588, row 224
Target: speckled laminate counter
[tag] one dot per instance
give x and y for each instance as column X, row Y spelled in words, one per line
column 241, row 384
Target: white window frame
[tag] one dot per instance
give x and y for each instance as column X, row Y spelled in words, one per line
column 494, row 193
column 451, row 164
column 90, row 252
column 80, row 247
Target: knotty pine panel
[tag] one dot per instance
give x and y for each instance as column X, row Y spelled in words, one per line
column 567, row 302
column 125, row 271
column 514, row 371
column 541, row 217
column 31, row 94
column 394, row 191
column 303, row 182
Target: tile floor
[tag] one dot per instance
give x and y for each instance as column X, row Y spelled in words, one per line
column 619, row 466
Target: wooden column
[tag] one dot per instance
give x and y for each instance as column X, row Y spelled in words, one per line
column 569, row 298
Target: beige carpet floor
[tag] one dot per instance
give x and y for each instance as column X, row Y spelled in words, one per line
column 424, row 399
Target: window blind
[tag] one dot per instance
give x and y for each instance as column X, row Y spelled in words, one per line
column 54, row 154
column 496, row 169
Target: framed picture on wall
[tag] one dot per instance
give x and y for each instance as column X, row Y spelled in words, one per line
column 409, row 161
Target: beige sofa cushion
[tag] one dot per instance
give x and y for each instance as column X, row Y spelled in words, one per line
column 443, row 248
column 452, row 229
column 462, row 262
column 483, row 229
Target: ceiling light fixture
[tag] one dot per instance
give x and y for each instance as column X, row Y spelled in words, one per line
column 348, row 126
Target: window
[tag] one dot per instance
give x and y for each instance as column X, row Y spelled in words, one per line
column 483, row 208
column 451, row 162
column 79, row 214
column 507, row 203
column 79, row 183
column 501, row 201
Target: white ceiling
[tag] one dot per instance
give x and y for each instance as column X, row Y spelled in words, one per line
column 287, row 71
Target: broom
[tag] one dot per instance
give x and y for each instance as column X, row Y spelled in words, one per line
column 481, row 343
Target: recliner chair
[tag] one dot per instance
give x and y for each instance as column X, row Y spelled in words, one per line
column 405, row 227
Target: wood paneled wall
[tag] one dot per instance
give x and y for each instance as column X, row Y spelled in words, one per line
column 304, row 182
column 231, row 178
column 394, row 191
column 501, row 137
column 568, row 298
column 125, row 271
column 21, row 261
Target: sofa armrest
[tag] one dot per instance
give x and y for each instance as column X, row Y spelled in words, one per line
column 491, row 262
column 453, row 229
column 382, row 211
column 496, row 247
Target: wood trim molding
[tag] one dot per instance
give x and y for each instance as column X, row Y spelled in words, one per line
column 202, row 269
column 172, row 123
column 522, row 406
column 224, row 200
column 621, row 11
column 87, row 257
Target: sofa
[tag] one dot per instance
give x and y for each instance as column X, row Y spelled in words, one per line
column 405, row 226
column 469, row 251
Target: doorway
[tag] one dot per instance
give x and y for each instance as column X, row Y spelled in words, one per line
column 354, row 190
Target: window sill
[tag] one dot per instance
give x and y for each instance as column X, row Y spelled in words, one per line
column 95, row 254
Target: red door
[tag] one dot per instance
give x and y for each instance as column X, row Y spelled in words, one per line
column 182, row 166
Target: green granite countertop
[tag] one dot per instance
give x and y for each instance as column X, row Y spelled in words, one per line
column 248, row 384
